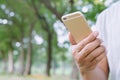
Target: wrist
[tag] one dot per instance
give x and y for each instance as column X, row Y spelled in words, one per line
column 83, row 73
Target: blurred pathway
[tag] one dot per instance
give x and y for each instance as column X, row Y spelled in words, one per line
column 31, row 77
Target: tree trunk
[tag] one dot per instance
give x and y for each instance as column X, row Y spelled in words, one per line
column 54, row 66
column 4, row 61
column 21, row 67
column 51, row 8
column 46, row 27
column 10, row 62
column 49, row 54
column 4, row 65
column 21, row 58
column 28, row 60
column 75, row 72
column 29, row 53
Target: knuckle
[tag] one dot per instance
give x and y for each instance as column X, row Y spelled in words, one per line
column 96, row 52
column 87, row 49
column 100, row 49
column 82, row 45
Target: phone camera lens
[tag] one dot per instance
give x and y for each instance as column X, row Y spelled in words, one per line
column 64, row 18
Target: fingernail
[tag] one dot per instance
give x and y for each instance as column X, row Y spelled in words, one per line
column 95, row 33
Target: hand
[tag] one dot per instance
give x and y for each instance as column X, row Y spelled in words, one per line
column 88, row 52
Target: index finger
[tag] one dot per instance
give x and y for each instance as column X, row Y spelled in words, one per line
column 84, row 42
column 71, row 39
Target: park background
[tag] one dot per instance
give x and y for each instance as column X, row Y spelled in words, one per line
column 34, row 42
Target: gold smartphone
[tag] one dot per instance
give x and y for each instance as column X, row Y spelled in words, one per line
column 77, row 25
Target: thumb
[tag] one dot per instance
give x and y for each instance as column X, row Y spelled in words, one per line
column 71, row 39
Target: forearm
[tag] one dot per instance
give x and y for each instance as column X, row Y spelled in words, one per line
column 96, row 74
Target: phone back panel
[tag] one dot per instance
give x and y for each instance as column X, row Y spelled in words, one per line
column 77, row 25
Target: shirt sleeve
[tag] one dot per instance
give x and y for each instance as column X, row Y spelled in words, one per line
column 100, row 27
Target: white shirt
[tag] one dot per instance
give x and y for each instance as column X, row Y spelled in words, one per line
column 108, row 26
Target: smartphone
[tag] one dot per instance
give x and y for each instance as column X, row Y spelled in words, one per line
column 77, row 25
